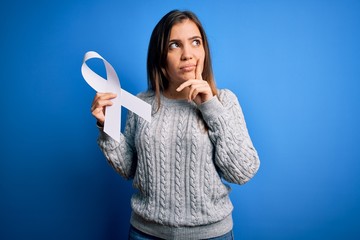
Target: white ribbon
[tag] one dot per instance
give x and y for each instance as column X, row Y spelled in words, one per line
column 112, row 84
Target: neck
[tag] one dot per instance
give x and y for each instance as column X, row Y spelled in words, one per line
column 171, row 92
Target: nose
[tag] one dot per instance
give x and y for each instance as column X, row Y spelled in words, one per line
column 186, row 53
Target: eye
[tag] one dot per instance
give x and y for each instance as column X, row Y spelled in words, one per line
column 173, row 45
column 196, row 42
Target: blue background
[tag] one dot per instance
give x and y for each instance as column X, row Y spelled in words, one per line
column 294, row 66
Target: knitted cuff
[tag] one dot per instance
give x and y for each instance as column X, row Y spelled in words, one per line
column 99, row 125
column 211, row 109
column 105, row 141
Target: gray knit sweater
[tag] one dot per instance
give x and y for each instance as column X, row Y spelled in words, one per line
column 177, row 163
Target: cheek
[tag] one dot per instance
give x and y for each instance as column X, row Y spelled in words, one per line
column 170, row 61
column 201, row 55
column 170, row 68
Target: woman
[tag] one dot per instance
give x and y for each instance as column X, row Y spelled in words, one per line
column 196, row 138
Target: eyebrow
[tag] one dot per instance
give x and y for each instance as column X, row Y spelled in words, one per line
column 191, row 38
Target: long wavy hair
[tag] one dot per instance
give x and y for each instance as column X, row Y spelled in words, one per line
column 159, row 47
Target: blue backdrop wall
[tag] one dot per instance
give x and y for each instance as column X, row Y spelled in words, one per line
column 294, row 66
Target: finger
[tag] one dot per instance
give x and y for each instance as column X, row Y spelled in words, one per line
column 196, row 90
column 105, row 96
column 186, row 84
column 98, row 112
column 193, row 93
column 100, row 116
column 200, row 91
column 199, row 70
column 101, row 100
column 101, row 104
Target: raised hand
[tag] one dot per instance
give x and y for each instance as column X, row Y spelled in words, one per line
column 199, row 89
column 100, row 102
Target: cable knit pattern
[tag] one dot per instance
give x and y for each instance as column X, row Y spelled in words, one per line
column 235, row 155
column 178, row 166
column 150, row 176
column 179, row 201
column 163, row 162
column 193, row 175
column 207, row 181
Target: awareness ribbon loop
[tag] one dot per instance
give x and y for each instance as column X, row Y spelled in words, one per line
column 112, row 84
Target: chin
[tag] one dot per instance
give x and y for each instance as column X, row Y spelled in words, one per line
column 188, row 76
column 185, row 79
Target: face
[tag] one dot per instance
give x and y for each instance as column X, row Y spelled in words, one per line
column 185, row 54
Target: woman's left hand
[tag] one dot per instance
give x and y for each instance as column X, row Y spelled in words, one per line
column 199, row 89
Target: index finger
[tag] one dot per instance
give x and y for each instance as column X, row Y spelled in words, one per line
column 199, row 69
column 185, row 84
column 106, row 95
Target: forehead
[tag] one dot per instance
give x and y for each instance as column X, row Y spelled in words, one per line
column 184, row 30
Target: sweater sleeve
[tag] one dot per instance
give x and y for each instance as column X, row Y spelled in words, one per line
column 121, row 156
column 235, row 156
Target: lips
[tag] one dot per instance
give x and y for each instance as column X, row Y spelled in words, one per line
column 188, row 68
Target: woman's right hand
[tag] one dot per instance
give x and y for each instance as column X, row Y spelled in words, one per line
column 101, row 100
